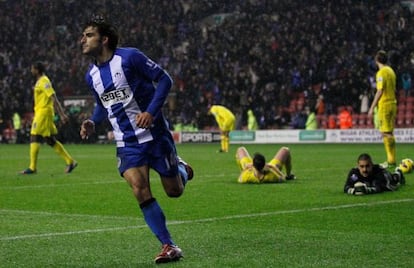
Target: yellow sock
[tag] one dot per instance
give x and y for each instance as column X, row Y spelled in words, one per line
column 222, row 145
column 34, row 152
column 226, row 142
column 389, row 145
column 60, row 150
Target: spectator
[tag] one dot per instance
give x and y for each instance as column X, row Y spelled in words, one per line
column 294, row 54
column 364, row 102
column 311, row 123
column 406, row 83
column 251, row 120
column 345, row 119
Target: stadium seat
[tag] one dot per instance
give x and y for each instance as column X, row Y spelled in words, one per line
column 409, row 120
column 409, row 99
column 409, row 107
column 401, row 107
column 362, row 121
column 369, row 122
column 400, row 121
column 355, row 118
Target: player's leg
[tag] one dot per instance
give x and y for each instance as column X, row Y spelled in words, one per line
column 61, row 151
column 283, row 155
column 33, row 153
column 36, row 132
column 174, row 173
column 386, row 117
column 225, row 141
column 228, row 126
column 243, row 158
column 138, row 179
column 282, row 159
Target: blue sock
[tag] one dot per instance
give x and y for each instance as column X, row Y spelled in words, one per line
column 183, row 173
column 155, row 219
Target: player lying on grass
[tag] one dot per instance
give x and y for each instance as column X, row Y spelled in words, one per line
column 370, row 178
column 256, row 170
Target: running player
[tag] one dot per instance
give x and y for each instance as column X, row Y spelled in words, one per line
column 130, row 90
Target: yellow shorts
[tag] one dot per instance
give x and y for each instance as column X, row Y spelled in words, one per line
column 43, row 124
column 386, row 117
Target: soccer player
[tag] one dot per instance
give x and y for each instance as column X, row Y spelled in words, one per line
column 370, row 178
column 226, row 122
column 256, row 170
column 387, row 106
column 43, row 127
column 130, row 90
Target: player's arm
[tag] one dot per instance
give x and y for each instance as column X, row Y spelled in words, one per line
column 59, row 109
column 88, row 125
column 377, row 96
column 380, row 86
column 349, row 183
column 356, row 187
column 277, row 171
column 146, row 118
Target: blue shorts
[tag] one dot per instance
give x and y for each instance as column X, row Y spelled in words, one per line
column 159, row 154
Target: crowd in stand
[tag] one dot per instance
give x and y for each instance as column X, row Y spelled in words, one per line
column 257, row 54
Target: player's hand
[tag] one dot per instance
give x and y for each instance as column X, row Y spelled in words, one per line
column 144, row 120
column 64, row 118
column 360, row 188
column 87, row 129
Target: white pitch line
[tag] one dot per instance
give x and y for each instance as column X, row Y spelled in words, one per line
column 21, row 237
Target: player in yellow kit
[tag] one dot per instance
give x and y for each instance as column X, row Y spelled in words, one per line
column 226, row 122
column 386, row 101
column 256, row 170
column 43, row 127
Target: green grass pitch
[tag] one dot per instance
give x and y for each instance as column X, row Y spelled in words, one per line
column 90, row 218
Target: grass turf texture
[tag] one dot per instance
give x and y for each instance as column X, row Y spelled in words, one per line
column 90, row 218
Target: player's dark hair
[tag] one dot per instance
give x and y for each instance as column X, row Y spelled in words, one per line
column 381, row 57
column 259, row 161
column 38, row 65
column 364, row 157
column 104, row 29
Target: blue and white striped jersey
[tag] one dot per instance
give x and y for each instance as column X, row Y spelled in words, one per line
column 129, row 83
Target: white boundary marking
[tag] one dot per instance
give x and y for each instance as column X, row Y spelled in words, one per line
column 22, row 237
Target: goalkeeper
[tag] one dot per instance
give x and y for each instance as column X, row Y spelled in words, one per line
column 370, row 178
column 256, row 170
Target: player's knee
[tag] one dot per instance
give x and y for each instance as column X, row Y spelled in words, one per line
column 50, row 141
column 284, row 148
column 174, row 191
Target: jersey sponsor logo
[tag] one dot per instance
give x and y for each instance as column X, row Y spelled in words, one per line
column 121, row 95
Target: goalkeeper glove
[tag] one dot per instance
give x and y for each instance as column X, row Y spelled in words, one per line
column 360, row 188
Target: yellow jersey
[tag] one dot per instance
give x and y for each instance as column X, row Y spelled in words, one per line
column 43, row 91
column 386, row 81
column 224, row 117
